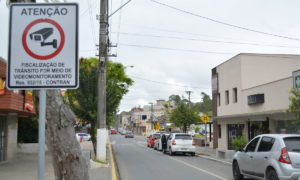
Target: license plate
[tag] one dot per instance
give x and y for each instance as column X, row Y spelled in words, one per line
column 183, row 149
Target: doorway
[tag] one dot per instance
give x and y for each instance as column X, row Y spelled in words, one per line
column 3, row 138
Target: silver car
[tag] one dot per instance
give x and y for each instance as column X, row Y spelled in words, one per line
column 269, row 157
column 180, row 143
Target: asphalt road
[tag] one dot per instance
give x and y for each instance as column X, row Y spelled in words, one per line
column 138, row 162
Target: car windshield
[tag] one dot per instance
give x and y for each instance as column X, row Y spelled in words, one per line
column 292, row 144
column 183, row 136
column 156, row 136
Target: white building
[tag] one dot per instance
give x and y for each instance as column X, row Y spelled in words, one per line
column 251, row 96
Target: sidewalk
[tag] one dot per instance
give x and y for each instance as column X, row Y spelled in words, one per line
column 210, row 154
column 25, row 166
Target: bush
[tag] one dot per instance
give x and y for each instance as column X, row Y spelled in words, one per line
column 239, row 143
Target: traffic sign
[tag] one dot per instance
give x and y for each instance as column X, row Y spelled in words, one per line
column 296, row 79
column 205, row 118
column 43, row 46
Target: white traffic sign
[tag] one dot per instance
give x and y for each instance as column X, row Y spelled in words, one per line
column 43, row 46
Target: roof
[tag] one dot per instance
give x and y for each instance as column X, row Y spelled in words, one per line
column 257, row 54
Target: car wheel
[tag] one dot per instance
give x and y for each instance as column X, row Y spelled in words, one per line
column 170, row 152
column 272, row 175
column 147, row 145
column 236, row 171
column 193, row 154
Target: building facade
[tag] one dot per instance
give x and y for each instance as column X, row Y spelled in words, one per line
column 13, row 104
column 251, row 95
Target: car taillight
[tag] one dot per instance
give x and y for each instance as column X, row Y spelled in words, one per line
column 284, row 156
column 174, row 142
column 193, row 143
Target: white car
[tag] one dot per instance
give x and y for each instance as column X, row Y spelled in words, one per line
column 269, row 157
column 83, row 137
column 180, row 143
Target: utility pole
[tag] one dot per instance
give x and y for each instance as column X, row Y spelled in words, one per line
column 151, row 116
column 102, row 134
column 189, row 93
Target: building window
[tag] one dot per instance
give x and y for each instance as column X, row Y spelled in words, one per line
column 227, row 97
column 219, row 99
column 235, row 98
column 220, row 131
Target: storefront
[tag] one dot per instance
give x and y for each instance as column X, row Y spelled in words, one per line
column 13, row 104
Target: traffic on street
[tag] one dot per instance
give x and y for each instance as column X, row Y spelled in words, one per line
column 136, row 161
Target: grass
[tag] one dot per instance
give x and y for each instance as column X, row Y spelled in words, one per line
column 97, row 161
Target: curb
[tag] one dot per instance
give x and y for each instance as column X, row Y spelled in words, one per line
column 216, row 160
column 115, row 175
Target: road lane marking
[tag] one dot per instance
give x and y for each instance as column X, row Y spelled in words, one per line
column 187, row 164
column 199, row 169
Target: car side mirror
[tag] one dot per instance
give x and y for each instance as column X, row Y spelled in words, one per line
column 242, row 150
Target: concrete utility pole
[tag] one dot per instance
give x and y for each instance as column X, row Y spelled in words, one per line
column 189, row 93
column 151, row 116
column 102, row 134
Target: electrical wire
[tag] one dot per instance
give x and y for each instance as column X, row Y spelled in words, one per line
column 204, row 40
column 170, row 84
column 224, row 23
column 174, row 49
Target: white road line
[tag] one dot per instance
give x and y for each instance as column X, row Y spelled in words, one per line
column 187, row 164
column 199, row 169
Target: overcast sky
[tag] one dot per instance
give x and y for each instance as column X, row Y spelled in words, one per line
column 173, row 51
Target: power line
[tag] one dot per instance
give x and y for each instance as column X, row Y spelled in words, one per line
column 170, row 84
column 174, row 49
column 203, row 40
column 224, row 23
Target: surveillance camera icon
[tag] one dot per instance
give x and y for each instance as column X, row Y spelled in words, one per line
column 43, row 34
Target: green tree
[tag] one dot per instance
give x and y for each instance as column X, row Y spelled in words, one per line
column 183, row 116
column 205, row 105
column 83, row 100
column 295, row 104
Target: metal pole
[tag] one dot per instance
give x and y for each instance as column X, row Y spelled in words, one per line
column 205, row 135
column 42, row 119
column 101, row 105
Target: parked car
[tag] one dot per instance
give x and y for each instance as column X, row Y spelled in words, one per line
column 180, row 143
column 129, row 134
column 269, row 157
column 158, row 142
column 151, row 139
column 113, row 131
column 83, row 137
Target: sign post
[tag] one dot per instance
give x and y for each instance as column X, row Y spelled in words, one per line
column 43, row 54
column 205, row 118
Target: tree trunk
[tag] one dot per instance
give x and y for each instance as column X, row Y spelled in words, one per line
column 68, row 162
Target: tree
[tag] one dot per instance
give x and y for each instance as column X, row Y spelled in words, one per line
column 68, row 162
column 294, row 106
column 182, row 116
column 205, row 105
column 84, row 99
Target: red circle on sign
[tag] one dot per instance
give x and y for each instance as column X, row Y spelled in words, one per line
column 55, row 53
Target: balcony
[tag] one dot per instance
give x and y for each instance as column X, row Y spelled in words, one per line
column 11, row 102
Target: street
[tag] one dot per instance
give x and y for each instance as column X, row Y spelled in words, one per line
column 138, row 162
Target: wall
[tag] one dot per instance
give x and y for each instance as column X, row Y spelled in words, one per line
column 12, row 136
column 255, row 74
